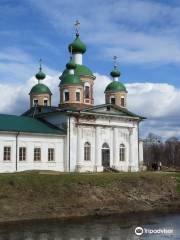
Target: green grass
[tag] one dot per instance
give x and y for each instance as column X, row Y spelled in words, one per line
column 66, row 179
column 29, row 195
column 178, row 185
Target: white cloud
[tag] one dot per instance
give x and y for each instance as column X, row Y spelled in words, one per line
column 158, row 102
column 100, row 84
column 15, row 68
column 137, row 31
column 154, row 99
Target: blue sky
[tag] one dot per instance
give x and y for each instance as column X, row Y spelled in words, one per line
column 44, row 28
column 143, row 34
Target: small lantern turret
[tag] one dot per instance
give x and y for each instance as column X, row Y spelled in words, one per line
column 40, row 94
column 115, row 92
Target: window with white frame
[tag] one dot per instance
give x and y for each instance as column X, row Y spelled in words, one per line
column 45, row 101
column 122, row 101
column 66, row 95
column 35, row 102
column 122, row 152
column 22, row 154
column 7, row 153
column 37, row 154
column 87, row 151
column 51, row 154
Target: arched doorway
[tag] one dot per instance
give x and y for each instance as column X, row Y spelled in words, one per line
column 105, row 155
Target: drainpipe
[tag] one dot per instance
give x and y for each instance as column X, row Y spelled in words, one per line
column 138, row 148
column 69, row 146
column 17, row 150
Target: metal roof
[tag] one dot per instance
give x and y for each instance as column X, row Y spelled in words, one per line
column 13, row 123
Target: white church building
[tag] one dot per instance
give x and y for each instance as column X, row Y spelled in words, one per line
column 76, row 135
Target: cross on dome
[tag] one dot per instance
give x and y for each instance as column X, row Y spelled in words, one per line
column 40, row 75
column 77, row 26
column 115, row 61
column 40, row 64
column 115, row 73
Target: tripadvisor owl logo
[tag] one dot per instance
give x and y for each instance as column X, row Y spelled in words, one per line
column 139, row 231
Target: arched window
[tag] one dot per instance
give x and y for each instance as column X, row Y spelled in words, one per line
column 105, row 146
column 78, row 95
column 105, row 155
column 122, row 101
column 122, row 152
column 87, row 90
column 112, row 100
column 66, row 95
column 87, row 151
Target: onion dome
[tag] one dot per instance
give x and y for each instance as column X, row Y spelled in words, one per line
column 71, row 64
column 40, row 75
column 77, row 46
column 69, row 78
column 115, row 86
column 115, row 72
column 40, row 89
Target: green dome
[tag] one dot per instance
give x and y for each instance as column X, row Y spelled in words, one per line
column 40, row 89
column 40, row 75
column 115, row 86
column 77, row 46
column 71, row 64
column 115, row 73
column 80, row 70
column 70, row 79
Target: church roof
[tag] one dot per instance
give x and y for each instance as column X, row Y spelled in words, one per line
column 80, row 70
column 115, row 86
column 40, row 75
column 13, row 123
column 71, row 64
column 77, row 46
column 103, row 109
column 115, row 73
column 40, row 88
column 111, row 109
column 70, row 79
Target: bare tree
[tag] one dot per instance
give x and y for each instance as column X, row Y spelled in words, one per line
column 155, row 151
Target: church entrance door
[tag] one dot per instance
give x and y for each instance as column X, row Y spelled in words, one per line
column 105, row 155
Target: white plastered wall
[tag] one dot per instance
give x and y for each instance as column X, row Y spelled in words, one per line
column 113, row 131
column 30, row 141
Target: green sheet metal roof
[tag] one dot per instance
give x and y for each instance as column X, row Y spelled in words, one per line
column 77, row 46
column 97, row 109
column 70, row 79
column 13, row 123
column 40, row 75
column 40, row 88
column 115, row 86
column 71, row 64
column 80, row 70
column 115, row 73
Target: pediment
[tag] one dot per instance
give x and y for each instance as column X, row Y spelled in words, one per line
column 110, row 109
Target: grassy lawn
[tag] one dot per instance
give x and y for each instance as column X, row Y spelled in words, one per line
column 65, row 179
column 178, row 179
